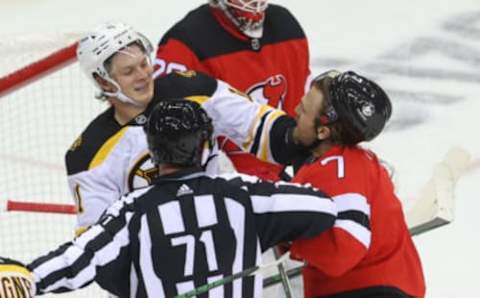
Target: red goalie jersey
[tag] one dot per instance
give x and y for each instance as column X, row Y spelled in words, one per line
column 273, row 69
column 369, row 251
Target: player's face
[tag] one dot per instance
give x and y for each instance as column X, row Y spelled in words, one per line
column 132, row 70
column 307, row 110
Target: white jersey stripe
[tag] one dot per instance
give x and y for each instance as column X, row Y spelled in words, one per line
column 112, row 250
column 217, row 292
column 205, row 211
column 236, row 217
column 171, row 217
column 58, row 262
column 74, row 283
column 352, row 202
column 184, row 287
column 153, row 284
column 89, row 235
column 358, row 231
column 133, row 281
column 292, row 203
column 258, row 283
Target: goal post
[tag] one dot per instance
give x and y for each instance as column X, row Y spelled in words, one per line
column 38, row 69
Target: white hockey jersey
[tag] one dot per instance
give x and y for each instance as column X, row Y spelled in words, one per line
column 109, row 160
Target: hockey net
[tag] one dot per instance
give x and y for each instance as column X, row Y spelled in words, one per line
column 45, row 103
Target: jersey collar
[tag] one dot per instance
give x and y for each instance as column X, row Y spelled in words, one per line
column 181, row 175
column 230, row 27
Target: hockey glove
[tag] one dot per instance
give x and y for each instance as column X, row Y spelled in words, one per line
column 15, row 279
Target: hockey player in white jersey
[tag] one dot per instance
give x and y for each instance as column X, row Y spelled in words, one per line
column 110, row 158
column 184, row 231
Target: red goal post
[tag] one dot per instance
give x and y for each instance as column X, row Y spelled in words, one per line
column 12, row 205
column 38, row 69
column 21, row 77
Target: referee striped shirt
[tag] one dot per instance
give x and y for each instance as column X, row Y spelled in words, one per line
column 186, row 230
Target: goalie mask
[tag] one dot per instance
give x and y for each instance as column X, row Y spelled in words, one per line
column 359, row 103
column 247, row 15
column 177, row 132
column 103, row 43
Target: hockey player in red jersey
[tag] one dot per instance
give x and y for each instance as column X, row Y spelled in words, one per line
column 256, row 47
column 369, row 252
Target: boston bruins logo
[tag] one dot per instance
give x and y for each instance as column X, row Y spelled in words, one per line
column 76, row 144
column 142, row 173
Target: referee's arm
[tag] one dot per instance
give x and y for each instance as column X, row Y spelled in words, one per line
column 76, row 264
column 284, row 212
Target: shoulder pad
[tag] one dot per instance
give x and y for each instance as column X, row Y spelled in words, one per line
column 184, row 84
column 280, row 25
column 85, row 147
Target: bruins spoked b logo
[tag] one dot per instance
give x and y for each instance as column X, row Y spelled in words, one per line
column 142, row 173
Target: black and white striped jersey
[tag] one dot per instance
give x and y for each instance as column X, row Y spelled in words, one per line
column 186, row 230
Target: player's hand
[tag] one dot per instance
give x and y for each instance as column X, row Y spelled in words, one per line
column 16, row 279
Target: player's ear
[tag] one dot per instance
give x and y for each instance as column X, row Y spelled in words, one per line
column 104, row 84
column 323, row 132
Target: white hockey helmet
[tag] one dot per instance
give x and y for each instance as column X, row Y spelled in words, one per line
column 247, row 15
column 102, row 43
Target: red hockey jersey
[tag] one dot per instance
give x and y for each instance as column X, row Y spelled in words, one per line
column 370, row 247
column 273, row 69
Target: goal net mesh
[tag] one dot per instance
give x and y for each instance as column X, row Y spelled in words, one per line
column 38, row 123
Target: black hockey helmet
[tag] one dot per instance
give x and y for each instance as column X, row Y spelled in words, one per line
column 359, row 103
column 177, row 130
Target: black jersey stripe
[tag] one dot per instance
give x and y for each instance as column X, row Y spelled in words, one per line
column 356, row 216
column 258, row 135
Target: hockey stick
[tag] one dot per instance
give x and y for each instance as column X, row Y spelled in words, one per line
column 275, row 279
column 11, row 205
column 287, row 288
column 436, row 205
column 245, row 273
column 434, row 208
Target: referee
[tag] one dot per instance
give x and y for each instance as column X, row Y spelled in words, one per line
column 187, row 229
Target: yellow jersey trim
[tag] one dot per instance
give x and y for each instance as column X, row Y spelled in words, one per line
column 15, row 268
column 254, row 127
column 105, row 150
column 80, row 231
column 266, row 145
column 200, row 99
